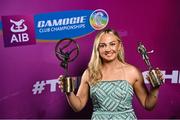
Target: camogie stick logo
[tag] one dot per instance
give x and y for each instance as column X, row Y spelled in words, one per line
column 99, row 19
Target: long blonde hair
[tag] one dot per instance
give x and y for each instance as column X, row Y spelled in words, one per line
column 95, row 63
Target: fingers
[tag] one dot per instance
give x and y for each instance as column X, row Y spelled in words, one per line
column 61, row 83
column 158, row 71
column 60, row 77
column 159, row 74
column 148, row 77
column 66, row 83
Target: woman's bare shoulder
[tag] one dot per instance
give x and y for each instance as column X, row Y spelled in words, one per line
column 130, row 66
column 134, row 74
column 85, row 76
column 132, row 69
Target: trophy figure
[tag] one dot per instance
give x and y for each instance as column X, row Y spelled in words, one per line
column 154, row 80
column 66, row 51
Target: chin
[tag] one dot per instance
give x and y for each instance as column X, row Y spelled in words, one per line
column 109, row 59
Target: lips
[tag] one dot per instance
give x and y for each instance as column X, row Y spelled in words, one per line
column 108, row 54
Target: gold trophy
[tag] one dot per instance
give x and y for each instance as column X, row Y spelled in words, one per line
column 154, row 80
column 66, row 51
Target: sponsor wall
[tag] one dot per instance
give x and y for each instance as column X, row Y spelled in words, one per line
column 29, row 67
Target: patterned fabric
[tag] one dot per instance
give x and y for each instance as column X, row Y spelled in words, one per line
column 112, row 100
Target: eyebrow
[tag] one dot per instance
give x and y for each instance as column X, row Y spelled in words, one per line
column 106, row 43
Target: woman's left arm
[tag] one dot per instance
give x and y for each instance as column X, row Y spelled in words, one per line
column 147, row 98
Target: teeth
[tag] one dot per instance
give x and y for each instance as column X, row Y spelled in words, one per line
column 109, row 54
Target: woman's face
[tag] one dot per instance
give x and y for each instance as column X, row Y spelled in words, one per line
column 109, row 47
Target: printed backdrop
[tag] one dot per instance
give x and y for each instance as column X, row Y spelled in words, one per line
column 29, row 73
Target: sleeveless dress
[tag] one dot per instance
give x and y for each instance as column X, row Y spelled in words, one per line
column 112, row 100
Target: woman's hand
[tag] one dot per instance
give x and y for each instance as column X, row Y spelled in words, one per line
column 66, row 84
column 158, row 74
column 61, row 82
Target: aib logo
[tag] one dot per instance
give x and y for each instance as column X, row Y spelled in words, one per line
column 18, row 26
column 18, row 30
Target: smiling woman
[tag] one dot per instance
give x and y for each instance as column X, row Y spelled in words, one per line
column 111, row 82
column 109, row 47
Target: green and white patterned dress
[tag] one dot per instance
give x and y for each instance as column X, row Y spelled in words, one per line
column 112, row 100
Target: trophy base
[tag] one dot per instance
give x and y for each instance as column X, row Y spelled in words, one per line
column 155, row 82
column 68, row 84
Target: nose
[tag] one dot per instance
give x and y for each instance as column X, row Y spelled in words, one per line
column 107, row 48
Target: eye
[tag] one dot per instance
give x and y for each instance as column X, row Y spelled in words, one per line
column 102, row 45
column 112, row 44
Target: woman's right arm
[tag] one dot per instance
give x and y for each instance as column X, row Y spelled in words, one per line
column 78, row 101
